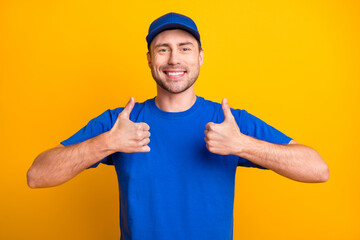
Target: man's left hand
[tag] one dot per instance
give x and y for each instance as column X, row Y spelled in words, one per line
column 223, row 138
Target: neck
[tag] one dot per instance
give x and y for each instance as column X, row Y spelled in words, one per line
column 170, row 102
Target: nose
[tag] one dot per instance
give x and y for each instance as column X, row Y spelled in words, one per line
column 174, row 58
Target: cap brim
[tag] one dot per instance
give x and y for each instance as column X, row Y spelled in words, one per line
column 169, row 26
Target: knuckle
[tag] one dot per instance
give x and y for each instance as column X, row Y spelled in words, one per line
column 146, row 134
column 139, row 135
column 144, row 126
column 144, row 142
column 144, row 149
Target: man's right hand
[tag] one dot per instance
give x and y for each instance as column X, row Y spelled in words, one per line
column 127, row 136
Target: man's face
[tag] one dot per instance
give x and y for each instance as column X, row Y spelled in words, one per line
column 175, row 60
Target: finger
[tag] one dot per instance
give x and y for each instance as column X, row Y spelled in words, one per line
column 144, row 149
column 144, row 142
column 210, row 125
column 209, row 134
column 226, row 109
column 128, row 108
column 144, row 126
column 208, row 146
column 146, row 134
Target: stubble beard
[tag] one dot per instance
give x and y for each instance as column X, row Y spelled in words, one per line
column 175, row 86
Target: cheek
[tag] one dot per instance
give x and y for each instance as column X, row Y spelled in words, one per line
column 159, row 60
column 193, row 60
column 193, row 64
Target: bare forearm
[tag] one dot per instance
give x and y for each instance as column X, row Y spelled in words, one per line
column 294, row 161
column 58, row 165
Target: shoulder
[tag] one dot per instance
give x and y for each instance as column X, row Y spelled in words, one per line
column 135, row 112
column 216, row 108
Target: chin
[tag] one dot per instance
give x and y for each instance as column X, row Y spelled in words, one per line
column 178, row 89
column 174, row 86
column 175, row 91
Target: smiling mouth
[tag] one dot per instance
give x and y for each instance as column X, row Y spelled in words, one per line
column 175, row 74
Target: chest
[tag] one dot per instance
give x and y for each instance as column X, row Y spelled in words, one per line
column 178, row 155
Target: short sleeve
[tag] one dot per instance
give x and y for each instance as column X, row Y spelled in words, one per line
column 255, row 127
column 95, row 127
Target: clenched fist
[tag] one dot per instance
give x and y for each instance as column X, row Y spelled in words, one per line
column 223, row 138
column 127, row 136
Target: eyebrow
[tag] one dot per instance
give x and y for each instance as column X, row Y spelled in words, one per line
column 167, row 45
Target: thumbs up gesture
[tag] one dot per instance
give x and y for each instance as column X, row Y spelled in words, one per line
column 223, row 138
column 127, row 136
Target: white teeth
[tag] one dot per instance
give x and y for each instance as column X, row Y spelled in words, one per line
column 174, row 73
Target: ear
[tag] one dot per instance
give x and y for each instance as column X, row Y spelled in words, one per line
column 148, row 59
column 201, row 56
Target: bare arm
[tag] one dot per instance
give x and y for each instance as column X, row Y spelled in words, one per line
column 294, row 160
column 60, row 164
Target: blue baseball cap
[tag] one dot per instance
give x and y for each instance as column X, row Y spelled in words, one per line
column 172, row 21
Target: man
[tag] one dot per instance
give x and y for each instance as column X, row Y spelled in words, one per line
column 181, row 184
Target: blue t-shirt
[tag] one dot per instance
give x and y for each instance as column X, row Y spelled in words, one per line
column 178, row 190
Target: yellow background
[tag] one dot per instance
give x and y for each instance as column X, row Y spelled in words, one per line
column 294, row 64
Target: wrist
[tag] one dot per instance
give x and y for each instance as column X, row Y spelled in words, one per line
column 106, row 142
column 242, row 143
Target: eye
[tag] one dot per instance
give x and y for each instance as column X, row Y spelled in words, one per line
column 162, row 50
column 185, row 49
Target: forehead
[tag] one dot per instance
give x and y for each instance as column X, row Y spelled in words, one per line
column 173, row 36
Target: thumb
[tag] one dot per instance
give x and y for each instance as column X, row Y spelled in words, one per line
column 226, row 109
column 128, row 108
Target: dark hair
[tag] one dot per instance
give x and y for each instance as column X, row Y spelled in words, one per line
column 199, row 45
